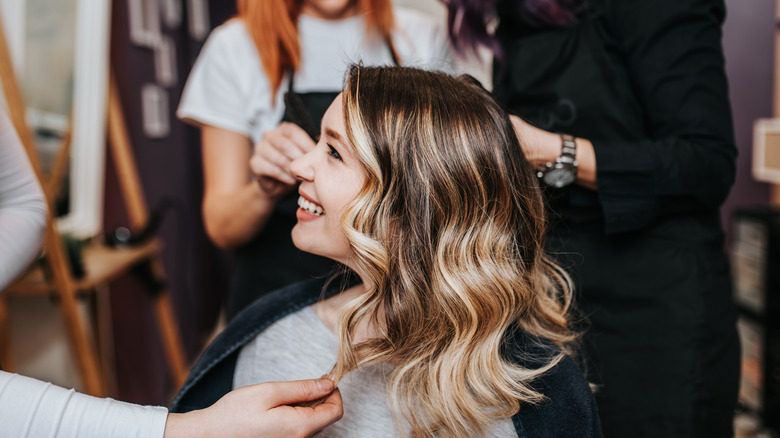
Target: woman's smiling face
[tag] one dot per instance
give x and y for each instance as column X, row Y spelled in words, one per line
column 331, row 176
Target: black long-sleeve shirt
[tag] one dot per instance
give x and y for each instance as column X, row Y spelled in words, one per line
column 645, row 82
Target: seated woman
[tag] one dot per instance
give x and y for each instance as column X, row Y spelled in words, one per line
column 451, row 320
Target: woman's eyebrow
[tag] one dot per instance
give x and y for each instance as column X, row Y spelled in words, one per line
column 333, row 134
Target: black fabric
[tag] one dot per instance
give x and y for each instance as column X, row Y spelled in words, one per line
column 645, row 82
column 568, row 411
column 270, row 261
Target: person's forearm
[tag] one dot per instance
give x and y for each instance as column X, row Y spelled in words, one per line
column 542, row 147
column 33, row 408
column 22, row 206
column 234, row 219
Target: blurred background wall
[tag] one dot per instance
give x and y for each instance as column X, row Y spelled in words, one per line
column 748, row 40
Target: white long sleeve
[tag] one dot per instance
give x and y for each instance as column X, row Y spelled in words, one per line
column 32, row 408
column 22, row 206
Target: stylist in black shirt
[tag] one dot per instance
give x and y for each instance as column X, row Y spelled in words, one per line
column 640, row 85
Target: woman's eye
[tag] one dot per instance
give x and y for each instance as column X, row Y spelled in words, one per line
column 334, row 153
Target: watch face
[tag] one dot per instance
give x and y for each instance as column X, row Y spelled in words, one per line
column 559, row 177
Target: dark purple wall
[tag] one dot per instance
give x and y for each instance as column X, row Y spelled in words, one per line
column 748, row 41
column 170, row 170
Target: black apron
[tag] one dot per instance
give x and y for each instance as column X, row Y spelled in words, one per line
column 270, row 261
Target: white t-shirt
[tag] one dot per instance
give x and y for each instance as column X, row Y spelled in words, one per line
column 228, row 88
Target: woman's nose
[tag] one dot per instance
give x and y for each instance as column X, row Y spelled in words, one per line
column 301, row 167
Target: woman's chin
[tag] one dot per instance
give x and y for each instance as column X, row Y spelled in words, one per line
column 305, row 241
column 297, row 239
column 315, row 239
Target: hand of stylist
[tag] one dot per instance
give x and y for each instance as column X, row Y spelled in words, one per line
column 273, row 155
column 233, row 416
column 541, row 147
column 235, row 208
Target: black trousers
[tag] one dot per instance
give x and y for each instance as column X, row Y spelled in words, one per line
column 661, row 340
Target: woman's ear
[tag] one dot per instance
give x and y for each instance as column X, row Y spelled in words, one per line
column 467, row 78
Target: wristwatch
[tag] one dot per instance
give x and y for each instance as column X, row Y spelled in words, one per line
column 563, row 171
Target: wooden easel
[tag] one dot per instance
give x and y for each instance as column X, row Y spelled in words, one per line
column 102, row 263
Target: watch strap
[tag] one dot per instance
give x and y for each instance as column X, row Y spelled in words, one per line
column 568, row 150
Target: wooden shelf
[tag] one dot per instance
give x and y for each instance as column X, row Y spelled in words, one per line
column 103, row 264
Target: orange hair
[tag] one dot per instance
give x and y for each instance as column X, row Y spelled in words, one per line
column 273, row 26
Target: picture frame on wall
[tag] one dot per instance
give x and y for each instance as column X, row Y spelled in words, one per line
column 766, row 150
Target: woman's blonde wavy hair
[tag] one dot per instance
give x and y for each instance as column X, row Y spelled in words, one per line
column 449, row 230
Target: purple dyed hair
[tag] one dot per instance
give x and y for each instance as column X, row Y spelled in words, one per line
column 468, row 20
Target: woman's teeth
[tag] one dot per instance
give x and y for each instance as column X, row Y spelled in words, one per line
column 310, row 207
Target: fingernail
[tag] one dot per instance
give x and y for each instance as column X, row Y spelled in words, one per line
column 325, row 385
